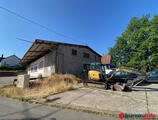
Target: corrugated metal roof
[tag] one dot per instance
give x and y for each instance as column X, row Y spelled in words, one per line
column 106, row 59
column 41, row 47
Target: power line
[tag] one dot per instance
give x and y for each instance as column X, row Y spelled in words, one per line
column 24, row 40
column 45, row 46
column 40, row 25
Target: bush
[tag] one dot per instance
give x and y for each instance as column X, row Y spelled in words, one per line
column 11, row 68
column 4, row 67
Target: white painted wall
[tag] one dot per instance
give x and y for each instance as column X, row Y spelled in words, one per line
column 47, row 69
column 39, row 71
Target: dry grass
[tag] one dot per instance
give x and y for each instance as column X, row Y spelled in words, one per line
column 43, row 88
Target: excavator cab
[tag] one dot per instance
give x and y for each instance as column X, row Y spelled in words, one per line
column 96, row 72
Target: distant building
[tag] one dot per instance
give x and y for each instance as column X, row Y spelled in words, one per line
column 12, row 61
column 47, row 57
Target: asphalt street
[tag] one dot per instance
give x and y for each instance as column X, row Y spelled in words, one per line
column 14, row 109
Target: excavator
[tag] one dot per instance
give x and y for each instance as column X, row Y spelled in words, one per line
column 119, row 79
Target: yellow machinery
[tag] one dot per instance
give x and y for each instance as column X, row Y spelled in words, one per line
column 119, row 80
column 95, row 75
column 125, row 70
column 96, row 72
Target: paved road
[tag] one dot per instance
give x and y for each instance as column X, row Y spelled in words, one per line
column 14, row 109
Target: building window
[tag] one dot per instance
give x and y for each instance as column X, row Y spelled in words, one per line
column 32, row 69
column 86, row 55
column 40, row 65
column 74, row 52
column 35, row 68
column 95, row 57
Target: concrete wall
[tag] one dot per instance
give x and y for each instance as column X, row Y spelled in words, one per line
column 46, row 69
column 62, row 61
column 74, row 64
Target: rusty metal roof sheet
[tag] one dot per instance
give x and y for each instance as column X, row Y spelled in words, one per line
column 106, row 59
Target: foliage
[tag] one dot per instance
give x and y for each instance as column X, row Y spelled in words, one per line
column 4, row 67
column 137, row 47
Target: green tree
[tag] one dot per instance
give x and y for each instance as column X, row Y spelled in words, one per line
column 137, row 47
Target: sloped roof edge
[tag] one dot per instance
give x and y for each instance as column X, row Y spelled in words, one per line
column 38, row 41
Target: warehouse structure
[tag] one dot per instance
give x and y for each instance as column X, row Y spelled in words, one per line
column 48, row 57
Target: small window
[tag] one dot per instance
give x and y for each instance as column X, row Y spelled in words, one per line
column 35, row 68
column 31, row 69
column 86, row 55
column 40, row 65
column 74, row 52
column 95, row 58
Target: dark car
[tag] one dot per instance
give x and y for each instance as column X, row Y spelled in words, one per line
column 152, row 76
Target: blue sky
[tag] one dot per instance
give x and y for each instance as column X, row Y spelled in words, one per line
column 95, row 22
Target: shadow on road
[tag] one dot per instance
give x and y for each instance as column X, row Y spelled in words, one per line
column 144, row 84
column 148, row 89
column 54, row 99
column 25, row 111
column 28, row 114
column 66, row 105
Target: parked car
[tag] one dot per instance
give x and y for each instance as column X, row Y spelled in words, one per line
column 152, row 76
